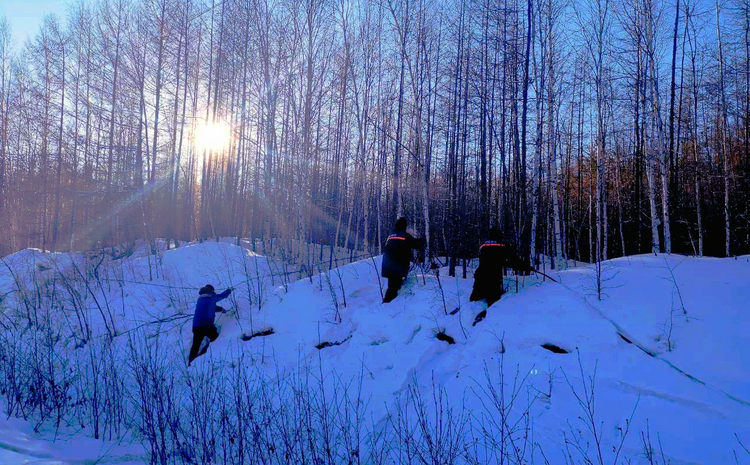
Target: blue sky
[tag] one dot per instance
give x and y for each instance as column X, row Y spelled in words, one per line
column 26, row 16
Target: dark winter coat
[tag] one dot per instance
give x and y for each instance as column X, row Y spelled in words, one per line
column 397, row 253
column 205, row 308
column 495, row 257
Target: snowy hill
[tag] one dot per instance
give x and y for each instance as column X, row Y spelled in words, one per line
column 656, row 371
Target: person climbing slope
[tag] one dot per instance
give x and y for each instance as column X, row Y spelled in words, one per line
column 494, row 257
column 203, row 320
column 397, row 257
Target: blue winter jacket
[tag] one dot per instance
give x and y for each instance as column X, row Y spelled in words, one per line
column 205, row 309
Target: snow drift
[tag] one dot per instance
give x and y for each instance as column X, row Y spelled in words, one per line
column 317, row 369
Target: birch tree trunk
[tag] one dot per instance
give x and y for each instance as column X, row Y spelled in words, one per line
column 670, row 194
column 652, row 203
column 696, row 145
column 4, row 112
column 403, row 32
column 553, row 131
column 723, row 129
column 159, row 65
column 536, row 180
column 61, row 43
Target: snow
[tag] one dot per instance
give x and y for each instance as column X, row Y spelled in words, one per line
column 682, row 375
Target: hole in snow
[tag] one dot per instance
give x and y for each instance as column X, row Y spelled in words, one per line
column 265, row 332
column 554, row 348
column 441, row 336
column 325, row 344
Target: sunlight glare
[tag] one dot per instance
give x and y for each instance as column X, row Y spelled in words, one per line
column 212, row 136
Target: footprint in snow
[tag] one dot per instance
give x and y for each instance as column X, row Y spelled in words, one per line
column 414, row 333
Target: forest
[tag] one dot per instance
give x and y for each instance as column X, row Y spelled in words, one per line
column 586, row 130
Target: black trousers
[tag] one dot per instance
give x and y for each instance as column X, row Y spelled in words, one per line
column 488, row 289
column 198, row 335
column 394, row 284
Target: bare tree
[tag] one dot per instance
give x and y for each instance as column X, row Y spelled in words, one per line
column 723, row 129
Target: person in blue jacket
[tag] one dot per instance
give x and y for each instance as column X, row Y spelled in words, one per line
column 397, row 257
column 203, row 319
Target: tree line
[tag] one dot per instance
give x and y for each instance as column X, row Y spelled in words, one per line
column 582, row 129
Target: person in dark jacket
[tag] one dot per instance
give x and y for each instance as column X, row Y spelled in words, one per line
column 397, row 257
column 494, row 257
column 203, row 319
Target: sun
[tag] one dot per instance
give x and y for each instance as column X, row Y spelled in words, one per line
column 213, row 137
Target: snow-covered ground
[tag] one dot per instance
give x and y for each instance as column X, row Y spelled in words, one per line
column 656, row 371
